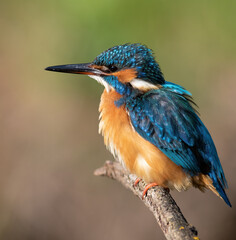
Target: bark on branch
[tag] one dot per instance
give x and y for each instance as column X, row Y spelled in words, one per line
column 158, row 200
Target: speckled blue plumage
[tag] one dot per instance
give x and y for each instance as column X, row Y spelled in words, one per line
column 132, row 56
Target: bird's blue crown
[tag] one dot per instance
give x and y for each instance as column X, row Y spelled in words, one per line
column 135, row 56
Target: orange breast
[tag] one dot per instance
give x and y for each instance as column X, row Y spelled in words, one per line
column 139, row 156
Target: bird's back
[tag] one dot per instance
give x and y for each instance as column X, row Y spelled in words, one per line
column 181, row 156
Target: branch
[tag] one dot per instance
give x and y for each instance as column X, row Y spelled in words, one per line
column 158, row 200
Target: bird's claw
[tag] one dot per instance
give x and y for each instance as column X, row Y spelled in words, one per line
column 150, row 185
column 137, row 181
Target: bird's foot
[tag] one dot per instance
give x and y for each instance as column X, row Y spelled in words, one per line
column 150, row 185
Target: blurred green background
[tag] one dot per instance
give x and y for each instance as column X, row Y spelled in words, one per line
column 49, row 143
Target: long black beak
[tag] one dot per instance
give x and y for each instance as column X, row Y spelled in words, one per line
column 85, row 68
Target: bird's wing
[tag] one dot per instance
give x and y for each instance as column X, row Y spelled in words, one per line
column 166, row 118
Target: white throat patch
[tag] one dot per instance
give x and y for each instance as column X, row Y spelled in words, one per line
column 142, row 84
column 101, row 81
column 136, row 83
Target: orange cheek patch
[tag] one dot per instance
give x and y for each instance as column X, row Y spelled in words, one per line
column 126, row 75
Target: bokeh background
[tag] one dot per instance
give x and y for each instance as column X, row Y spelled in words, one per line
column 49, row 145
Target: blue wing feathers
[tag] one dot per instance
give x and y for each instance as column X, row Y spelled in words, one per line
column 166, row 118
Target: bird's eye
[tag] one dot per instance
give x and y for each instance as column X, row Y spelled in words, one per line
column 112, row 68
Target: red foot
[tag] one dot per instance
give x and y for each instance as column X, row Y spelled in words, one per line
column 147, row 188
column 137, row 181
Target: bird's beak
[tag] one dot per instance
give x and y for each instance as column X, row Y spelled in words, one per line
column 84, row 68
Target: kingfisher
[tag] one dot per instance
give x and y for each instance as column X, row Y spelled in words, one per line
column 151, row 125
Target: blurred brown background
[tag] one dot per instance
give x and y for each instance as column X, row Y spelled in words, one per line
column 49, row 145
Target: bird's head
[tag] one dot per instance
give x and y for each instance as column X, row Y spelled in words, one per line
column 119, row 67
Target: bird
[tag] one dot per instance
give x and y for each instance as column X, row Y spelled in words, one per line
column 151, row 125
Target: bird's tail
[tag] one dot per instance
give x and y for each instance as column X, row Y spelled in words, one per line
column 216, row 187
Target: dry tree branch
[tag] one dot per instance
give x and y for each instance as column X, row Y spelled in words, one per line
column 158, row 200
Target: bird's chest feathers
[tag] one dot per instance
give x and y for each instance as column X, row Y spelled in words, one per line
column 114, row 125
column 138, row 155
